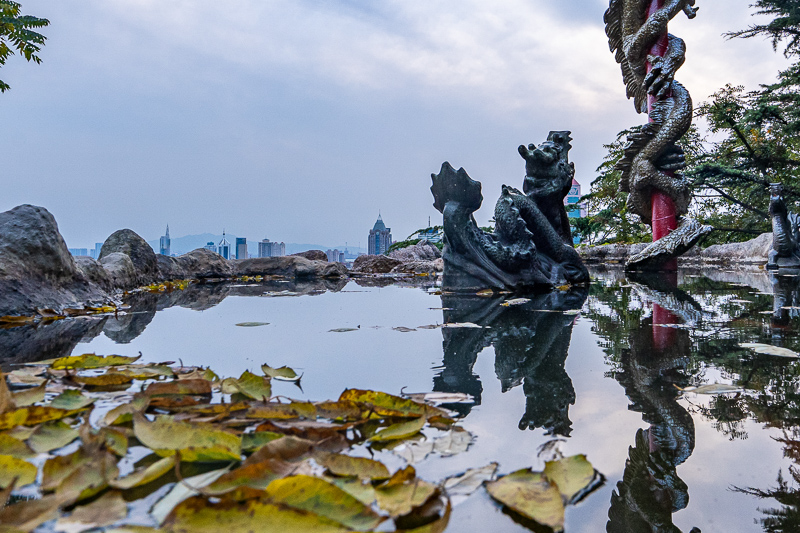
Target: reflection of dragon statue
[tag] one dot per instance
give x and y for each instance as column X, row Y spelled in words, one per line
column 785, row 251
column 651, row 156
column 531, row 245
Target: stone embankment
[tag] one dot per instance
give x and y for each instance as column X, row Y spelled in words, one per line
column 753, row 252
column 421, row 258
column 37, row 272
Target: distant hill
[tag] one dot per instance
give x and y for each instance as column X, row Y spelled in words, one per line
column 182, row 245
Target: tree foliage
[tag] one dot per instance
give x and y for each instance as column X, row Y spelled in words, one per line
column 16, row 33
column 785, row 25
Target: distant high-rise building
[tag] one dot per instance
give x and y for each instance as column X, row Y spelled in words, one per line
column 97, row 247
column 335, row 256
column 380, row 238
column 267, row 248
column 241, row 248
column 79, row 251
column 224, row 247
column 210, row 246
column 164, row 244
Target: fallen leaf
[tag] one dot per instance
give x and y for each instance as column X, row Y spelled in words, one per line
column 345, row 465
column 571, row 475
column 197, row 515
column 283, row 411
column 6, row 398
column 485, row 292
column 768, row 349
column 13, row 468
column 30, row 416
column 107, row 509
column 400, row 431
column 255, row 476
column 110, row 379
column 388, row 405
column 195, row 442
column 439, row 397
column 324, row 499
column 51, row 436
column 30, row 396
column 403, row 492
column 181, row 492
column 283, row 373
column 453, row 442
column 403, row 329
column 463, row 325
column 90, row 361
column 252, row 324
column 342, row 330
column 515, row 301
column 257, row 439
column 530, row 494
column 252, row 386
column 195, row 387
column 145, row 475
column 28, row 515
column 15, row 448
column 71, row 400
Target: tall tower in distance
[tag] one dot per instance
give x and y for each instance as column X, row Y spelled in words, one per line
column 224, row 247
column 241, row 248
column 380, row 238
column 165, row 244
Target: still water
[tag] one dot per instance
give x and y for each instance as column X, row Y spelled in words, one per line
column 582, row 372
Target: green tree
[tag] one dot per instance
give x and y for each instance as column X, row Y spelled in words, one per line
column 16, row 34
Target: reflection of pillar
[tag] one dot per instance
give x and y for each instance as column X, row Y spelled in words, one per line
column 651, row 491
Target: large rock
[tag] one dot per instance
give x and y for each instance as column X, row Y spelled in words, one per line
column 169, row 268
column 142, row 256
column 374, row 264
column 120, row 270
column 36, row 268
column 313, row 255
column 94, row 272
column 291, row 266
column 753, row 252
column 202, row 263
column 422, row 251
column 419, row 267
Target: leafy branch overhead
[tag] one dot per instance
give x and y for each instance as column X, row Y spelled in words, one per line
column 16, row 33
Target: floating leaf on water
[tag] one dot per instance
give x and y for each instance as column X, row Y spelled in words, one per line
column 198, row 515
column 414, row 452
column 360, row 489
column 255, row 476
column 252, row 324
column 460, row 487
column 768, row 349
column 430, row 326
column 106, row 510
column 6, row 398
column 25, row 376
column 317, row 496
column 571, row 475
column 257, row 439
column 182, row 491
column 569, row 312
column 389, row 405
column 30, row 416
column 485, row 292
column 532, row 495
column 453, row 442
column 403, row 430
column 283, row 373
column 515, row 301
column 252, row 386
column 145, row 475
column 15, row 448
column 110, row 379
column 194, row 387
column 195, row 441
column 463, row 325
column 278, row 411
column 51, row 436
column 90, row 361
column 342, row 330
column 30, row 396
column 71, row 399
column 12, row 468
column 344, row 465
column 403, row 492
column 28, row 515
column 16, row 320
column 403, row 329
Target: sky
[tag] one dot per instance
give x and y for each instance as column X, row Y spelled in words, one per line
column 301, row 120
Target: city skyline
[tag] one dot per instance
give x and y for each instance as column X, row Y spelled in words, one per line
column 315, row 115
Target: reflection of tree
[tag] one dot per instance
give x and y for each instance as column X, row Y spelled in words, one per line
column 531, row 343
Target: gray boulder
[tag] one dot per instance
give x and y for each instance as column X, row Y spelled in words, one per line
column 313, row 255
column 142, row 256
column 120, row 270
column 422, row 251
column 169, row 268
column 419, row 267
column 290, row 266
column 94, row 272
column 202, row 263
column 36, row 268
column 754, row 252
column 374, row 264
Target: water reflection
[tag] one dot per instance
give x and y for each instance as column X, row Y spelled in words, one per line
column 531, row 343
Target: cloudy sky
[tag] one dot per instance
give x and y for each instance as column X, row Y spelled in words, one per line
column 299, row 120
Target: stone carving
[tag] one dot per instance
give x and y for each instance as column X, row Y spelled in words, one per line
column 785, row 251
column 531, row 245
column 651, row 158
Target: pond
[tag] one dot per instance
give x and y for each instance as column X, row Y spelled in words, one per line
column 607, row 371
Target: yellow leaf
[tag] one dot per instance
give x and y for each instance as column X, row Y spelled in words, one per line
column 532, row 495
column 197, row 515
column 403, row 430
column 145, row 475
column 30, row 416
column 197, row 387
column 51, row 436
column 570, row 474
column 388, row 405
column 30, row 396
column 195, row 442
column 344, row 465
column 320, row 497
column 14, row 447
column 12, row 468
column 252, row 386
column 89, row 361
column 110, row 379
column 283, row 373
column 283, row 411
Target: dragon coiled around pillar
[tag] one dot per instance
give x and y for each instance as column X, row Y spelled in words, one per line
column 651, row 155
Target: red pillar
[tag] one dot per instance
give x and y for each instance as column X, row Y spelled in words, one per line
column 663, row 208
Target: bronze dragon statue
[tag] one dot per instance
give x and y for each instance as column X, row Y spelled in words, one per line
column 652, row 158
